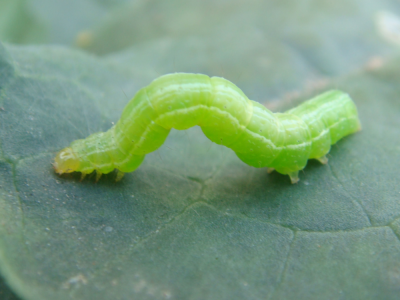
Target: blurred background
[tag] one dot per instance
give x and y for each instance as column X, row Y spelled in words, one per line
column 274, row 51
column 283, row 45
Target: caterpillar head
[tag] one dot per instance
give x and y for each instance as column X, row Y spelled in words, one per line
column 66, row 161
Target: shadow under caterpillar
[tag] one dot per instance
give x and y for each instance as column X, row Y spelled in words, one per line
column 280, row 141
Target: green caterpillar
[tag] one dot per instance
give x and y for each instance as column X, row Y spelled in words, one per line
column 280, row 141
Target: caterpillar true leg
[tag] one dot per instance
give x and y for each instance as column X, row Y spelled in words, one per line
column 280, row 141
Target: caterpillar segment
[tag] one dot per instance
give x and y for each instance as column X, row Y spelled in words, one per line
column 283, row 142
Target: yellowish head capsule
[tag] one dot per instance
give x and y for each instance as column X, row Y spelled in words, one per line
column 66, row 161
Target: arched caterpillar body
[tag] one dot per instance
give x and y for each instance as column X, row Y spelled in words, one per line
column 260, row 138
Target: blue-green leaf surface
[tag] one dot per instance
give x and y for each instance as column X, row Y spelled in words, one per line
column 194, row 222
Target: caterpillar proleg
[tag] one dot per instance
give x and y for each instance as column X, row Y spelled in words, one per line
column 280, row 141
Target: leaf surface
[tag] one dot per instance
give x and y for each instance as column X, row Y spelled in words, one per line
column 194, row 222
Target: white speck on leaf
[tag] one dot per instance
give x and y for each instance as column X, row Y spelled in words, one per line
column 75, row 281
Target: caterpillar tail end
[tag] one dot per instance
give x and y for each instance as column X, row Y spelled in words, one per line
column 66, row 161
column 294, row 177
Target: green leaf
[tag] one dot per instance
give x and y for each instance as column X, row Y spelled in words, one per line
column 6, row 293
column 194, row 222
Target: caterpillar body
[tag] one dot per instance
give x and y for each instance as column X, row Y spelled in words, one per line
column 280, row 141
